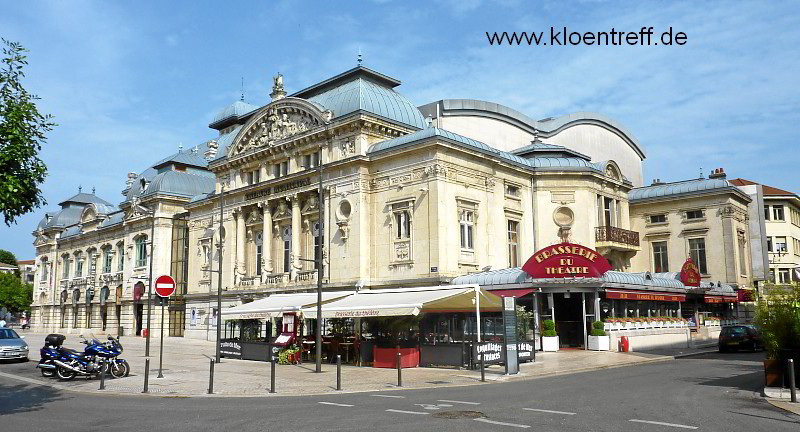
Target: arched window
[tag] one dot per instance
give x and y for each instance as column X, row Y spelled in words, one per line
column 141, row 251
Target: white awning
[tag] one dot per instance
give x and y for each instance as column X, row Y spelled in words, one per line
column 277, row 304
column 408, row 301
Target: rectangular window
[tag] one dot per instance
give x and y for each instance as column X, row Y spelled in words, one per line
column 780, row 244
column 402, row 225
column 784, row 276
column 65, row 269
column 401, row 231
column 659, row 218
column 311, row 160
column 777, row 212
column 141, row 251
column 608, row 211
column 253, row 177
column 281, row 169
column 512, row 190
column 120, row 257
column 286, row 235
column 513, row 244
column 318, row 241
column 259, row 249
column 769, row 244
column 766, row 212
column 78, row 265
column 45, row 269
column 180, row 255
column 467, row 224
column 796, row 250
column 694, row 214
column 742, row 257
column 660, row 257
column 697, row 250
column 107, row 260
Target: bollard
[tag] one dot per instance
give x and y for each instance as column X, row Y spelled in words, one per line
column 338, row 372
column 399, row 372
column 272, row 375
column 211, row 377
column 483, row 371
column 103, row 376
column 792, row 388
column 146, row 374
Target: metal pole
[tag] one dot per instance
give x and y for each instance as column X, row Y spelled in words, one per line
column 161, row 348
column 219, row 274
column 483, row 371
column 399, row 372
column 146, row 374
column 792, row 387
column 150, row 281
column 478, row 311
column 103, row 376
column 338, row 371
column 211, row 377
column 318, row 330
column 272, row 374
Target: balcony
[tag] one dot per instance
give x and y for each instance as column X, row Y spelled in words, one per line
column 309, row 275
column 613, row 238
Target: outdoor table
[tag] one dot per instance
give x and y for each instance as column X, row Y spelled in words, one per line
column 308, row 346
column 346, row 346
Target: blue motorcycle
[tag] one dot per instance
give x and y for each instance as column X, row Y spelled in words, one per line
column 49, row 353
column 97, row 357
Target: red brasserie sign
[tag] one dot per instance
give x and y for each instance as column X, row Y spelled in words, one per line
column 566, row 260
column 633, row 295
column 720, row 299
column 690, row 274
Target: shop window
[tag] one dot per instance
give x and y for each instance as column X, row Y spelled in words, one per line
column 694, row 214
column 141, row 251
column 660, row 257
column 697, row 250
column 658, row 218
column 777, row 213
column 513, row 244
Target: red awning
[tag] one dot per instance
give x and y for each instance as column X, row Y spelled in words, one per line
column 644, row 295
column 720, row 299
column 512, row 292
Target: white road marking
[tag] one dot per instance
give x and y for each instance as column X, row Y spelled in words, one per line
column 434, row 407
column 335, row 404
column 501, row 423
column 663, row 424
column 164, row 285
column 460, row 402
column 388, row 396
column 407, row 412
column 549, row 411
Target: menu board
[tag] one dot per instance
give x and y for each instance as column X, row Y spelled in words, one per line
column 510, row 335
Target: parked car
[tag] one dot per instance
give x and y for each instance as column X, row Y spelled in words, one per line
column 740, row 337
column 12, row 346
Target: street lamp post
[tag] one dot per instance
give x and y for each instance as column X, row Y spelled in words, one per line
column 318, row 339
column 219, row 275
column 150, row 280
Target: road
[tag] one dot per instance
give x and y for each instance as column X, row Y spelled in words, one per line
column 714, row 392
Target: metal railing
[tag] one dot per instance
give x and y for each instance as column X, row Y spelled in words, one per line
column 617, row 235
column 308, row 275
column 277, row 279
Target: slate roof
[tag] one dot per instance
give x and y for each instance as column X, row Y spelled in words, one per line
column 84, row 198
column 613, row 279
column 686, row 187
column 233, row 111
column 182, row 184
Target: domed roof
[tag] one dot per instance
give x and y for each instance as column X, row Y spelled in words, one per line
column 236, row 109
column 182, row 184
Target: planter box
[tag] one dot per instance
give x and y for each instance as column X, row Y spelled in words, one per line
column 550, row 343
column 387, row 357
column 599, row 343
column 608, row 326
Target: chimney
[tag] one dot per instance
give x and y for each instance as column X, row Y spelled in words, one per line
column 657, row 182
column 131, row 178
column 718, row 173
column 211, row 153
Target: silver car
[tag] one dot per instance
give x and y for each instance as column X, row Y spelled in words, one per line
column 12, row 345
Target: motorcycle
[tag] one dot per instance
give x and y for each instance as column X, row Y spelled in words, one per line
column 98, row 357
column 49, row 353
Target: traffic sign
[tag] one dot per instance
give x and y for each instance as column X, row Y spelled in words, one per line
column 165, row 286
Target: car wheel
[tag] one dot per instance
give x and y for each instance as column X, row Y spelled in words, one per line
column 722, row 349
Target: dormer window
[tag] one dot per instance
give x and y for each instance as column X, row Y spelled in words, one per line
column 658, row 218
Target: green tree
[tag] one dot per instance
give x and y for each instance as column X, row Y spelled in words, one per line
column 7, row 257
column 22, row 132
column 14, row 295
column 778, row 317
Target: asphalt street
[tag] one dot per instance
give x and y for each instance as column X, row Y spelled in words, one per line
column 714, row 392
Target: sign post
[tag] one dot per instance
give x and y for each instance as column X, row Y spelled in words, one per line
column 510, row 335
column 165, row 286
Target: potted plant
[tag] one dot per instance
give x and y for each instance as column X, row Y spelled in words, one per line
column 778, row 318
column 549, row 336
column 598, row 341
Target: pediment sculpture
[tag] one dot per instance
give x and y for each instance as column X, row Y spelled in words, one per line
column 278, row 124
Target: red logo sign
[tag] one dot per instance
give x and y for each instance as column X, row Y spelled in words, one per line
column 165, row 286
column 690, row 274
column 566, row 260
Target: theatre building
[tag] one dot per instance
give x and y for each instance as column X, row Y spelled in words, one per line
column 467, row 197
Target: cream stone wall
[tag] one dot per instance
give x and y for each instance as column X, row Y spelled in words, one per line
column 786, row 228
column 725, row 220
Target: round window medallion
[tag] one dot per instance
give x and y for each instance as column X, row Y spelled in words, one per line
column 344, row 210
column 563, row 217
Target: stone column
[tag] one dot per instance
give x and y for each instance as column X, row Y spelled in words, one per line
column 296, row 234
column 240, row 233
column 266, row 242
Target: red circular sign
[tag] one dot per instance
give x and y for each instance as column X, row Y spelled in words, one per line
column 165, row 286
column 565, row 260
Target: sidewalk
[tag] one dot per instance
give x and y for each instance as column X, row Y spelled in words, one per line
column 186, row 371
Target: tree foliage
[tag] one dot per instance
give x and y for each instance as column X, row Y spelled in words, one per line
column 778, row 317
column 15, row 295
column 22, row 132
column 7, row 257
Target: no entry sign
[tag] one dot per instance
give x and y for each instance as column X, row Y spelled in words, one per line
column 165, row 286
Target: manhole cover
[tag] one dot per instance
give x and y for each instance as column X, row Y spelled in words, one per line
column 459, row 414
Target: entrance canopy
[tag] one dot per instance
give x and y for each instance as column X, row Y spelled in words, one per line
column 409, row 301
column 277, row 304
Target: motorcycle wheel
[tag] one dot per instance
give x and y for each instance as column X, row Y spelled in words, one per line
column 48, row 373
column 120, row 370
column 65, row 374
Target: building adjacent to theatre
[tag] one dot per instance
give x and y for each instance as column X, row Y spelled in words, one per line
column 410, row 197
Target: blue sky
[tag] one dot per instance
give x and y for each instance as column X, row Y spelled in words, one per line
column 128, row 82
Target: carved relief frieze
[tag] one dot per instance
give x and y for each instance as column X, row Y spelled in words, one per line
column 397, row 180
column 436, row 170
column 347, row 147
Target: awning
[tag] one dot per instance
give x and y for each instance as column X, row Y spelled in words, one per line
column 277, row 304
column 513, row 292
column 408, row 301
column 644, row 295
column 720, row 299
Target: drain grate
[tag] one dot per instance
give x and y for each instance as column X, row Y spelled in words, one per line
column 459, row 414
